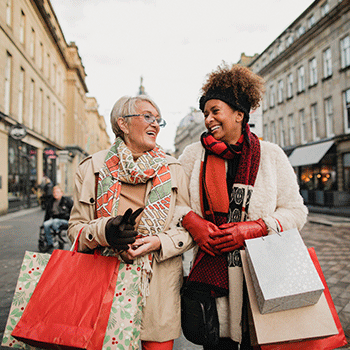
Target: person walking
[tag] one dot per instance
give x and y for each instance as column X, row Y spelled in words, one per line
column 240, row 188
column 110, row 188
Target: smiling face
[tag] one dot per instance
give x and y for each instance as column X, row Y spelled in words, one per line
column 222, row 121
column 140, row 136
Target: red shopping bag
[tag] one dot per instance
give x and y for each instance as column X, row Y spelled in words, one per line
column 328, row 343
column 70, row 306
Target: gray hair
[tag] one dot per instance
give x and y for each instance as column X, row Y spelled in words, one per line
column 127, row 105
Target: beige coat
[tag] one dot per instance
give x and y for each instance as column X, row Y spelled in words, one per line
column 161, row 316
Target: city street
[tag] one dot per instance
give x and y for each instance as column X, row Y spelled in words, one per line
column 329, row 235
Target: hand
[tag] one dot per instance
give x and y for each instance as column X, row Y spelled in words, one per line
column 201, row 230
column 232, row 236
column 143, row 246
column 120, row 231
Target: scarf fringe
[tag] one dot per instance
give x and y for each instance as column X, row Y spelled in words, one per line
column 146, row 275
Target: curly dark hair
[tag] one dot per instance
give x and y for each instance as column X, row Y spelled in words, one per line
column 239, row 80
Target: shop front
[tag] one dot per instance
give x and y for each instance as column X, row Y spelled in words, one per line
column 22, row 175
column 316, row 168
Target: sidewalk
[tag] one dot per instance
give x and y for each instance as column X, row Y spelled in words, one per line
column 339, row 211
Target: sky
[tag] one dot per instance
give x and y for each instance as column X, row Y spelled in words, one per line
column 172, row 45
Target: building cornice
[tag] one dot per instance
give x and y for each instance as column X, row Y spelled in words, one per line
column 335, row 14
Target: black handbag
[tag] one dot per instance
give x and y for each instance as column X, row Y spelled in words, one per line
column 199, row 316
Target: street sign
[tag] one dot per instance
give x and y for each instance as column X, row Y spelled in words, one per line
column 17, row 132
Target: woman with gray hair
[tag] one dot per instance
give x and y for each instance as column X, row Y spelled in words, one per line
column 136, row 173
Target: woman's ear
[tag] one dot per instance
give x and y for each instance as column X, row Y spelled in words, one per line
column 123, row 125
column 239, row 116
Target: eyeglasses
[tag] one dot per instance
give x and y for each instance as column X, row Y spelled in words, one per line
column 149, row 118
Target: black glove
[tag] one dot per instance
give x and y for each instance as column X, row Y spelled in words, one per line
column 120, row 230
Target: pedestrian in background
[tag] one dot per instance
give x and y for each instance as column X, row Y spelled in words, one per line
column 57, row 213
column 136, row 173
column 240, row 188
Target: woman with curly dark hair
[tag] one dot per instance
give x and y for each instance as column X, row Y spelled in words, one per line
column 240, row 188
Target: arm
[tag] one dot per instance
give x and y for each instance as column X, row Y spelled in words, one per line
column 289, row 211
column 174, row 240
column 82, row 214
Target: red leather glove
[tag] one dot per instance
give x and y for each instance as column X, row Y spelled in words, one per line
column 200, row 229
column 232, row 236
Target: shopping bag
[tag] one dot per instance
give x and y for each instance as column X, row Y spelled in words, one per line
column 31, row 270
column 124, row 324
column 71, row 303
column 282, row 271
column 296, row 321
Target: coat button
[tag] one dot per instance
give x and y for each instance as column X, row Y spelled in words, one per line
column 180, row 244
column 92, row 200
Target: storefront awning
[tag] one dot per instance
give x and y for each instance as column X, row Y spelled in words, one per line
column 311, row 154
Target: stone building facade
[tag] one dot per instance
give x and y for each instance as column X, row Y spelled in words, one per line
column 306, row 108
column 44, row 110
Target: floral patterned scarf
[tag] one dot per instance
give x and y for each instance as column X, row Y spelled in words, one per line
column 120, row 166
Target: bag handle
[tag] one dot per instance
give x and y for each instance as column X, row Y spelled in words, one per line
column 75, row 245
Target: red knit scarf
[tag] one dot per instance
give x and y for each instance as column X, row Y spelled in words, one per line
column 217, row 206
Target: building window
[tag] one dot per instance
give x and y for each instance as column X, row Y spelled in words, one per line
column 300, row 31
column 327, row 63
column 291, row 129
column 265, row 102
column 347, row 110
column 266, row 132
column 59, row 126
column 315, row 123
column 31, row 104
column 54, row 75
column 41, row 56
column 47, row 118
column 280, row 91
column 345, row 52
column 7, row 99
column 311, row 21
column 290, row 40
column 54, row 125
column 324, row 8
column 21, row 96
column 9, row 12
column 59, row 83
column 313, row 71
column 301, row 79
column 40, row 111
column 280, row 48
column 32, row 44
column 22, row 25
column 282, row 132
column 48, row 66
column 346, row 165
column 303, row 127
column 272, row 96
column 273, row 132
column 290, row 86
column 328, row 107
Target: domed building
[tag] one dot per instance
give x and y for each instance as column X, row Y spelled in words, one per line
column 189, row 130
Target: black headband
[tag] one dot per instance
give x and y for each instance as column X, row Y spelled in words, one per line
column 226, row 95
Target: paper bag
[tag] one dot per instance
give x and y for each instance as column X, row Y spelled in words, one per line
column 71, row 303
column 293, row 329
column 31, row 270
column 282, row 272
column 124, row 322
